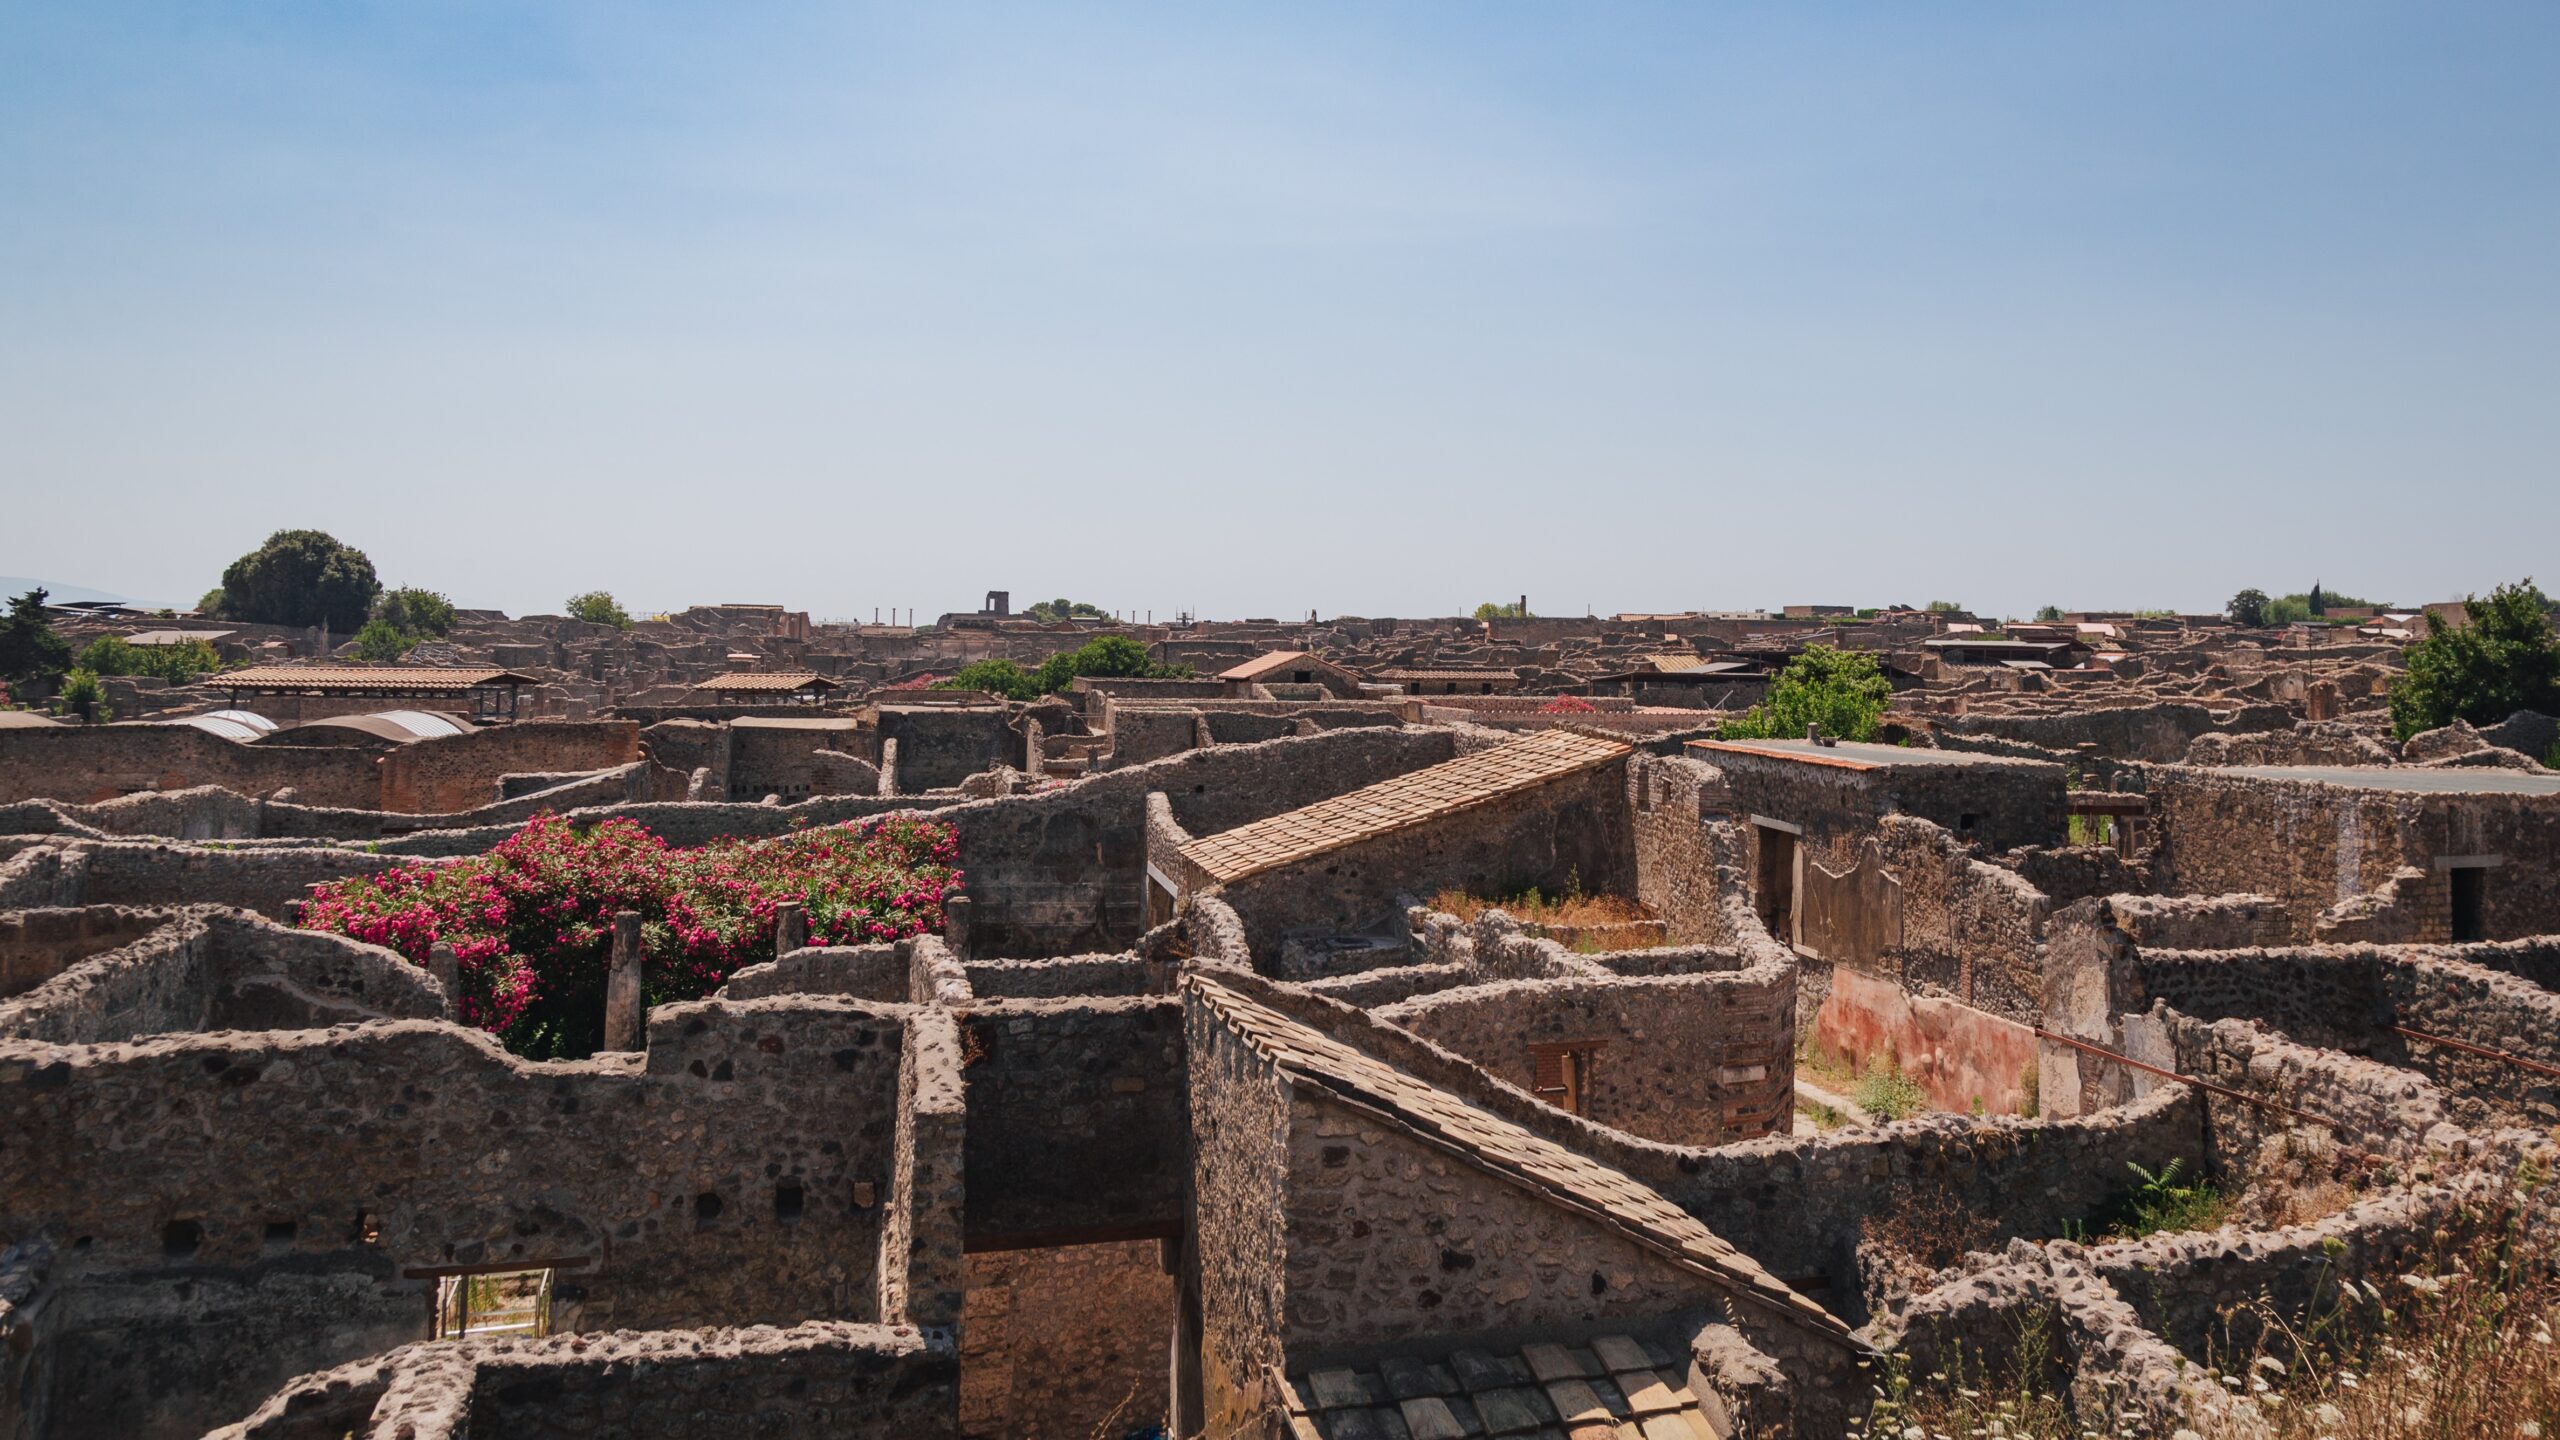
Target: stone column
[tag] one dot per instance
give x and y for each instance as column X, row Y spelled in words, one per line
column 443, row 964
column 626, row 1012
column 790, row 928
column 955, row 925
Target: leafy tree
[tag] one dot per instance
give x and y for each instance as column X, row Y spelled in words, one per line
column 2248, row 609
column 380, row 642
column 178, row 664
column 30, row 652
column 998, row 676
column 107, row 655
column 1943, row 607
column 2048, row 613
column 211, row 604
column 1510, row 610
column 301, row 577
column 2505, row 660
column 420, row 612
column 1104, row 655
column 2318, row 603
column 1065, row 609
column 598, row 607
column 1840, row 690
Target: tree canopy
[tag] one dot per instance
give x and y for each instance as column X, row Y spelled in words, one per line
column 415, row 611
column 598, row 607
column 1502, row 610
column 301, row 577
column 2506, row 659
column 2248, row 609
column 1842, row 691
column 997, row 676
column 30, row 652
column 177, row 664
column 1065, row 609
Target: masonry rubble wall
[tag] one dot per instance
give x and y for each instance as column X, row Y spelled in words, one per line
column 1056, row 1342
column 1689, row 1059
column 2155, row 733
column 1680, row 810
column 655, row 1182
column 270, row 880
column 1087, row 976
column 816, row 1378
column 1077, row 1110
column 84, row 764
column 461, row 772
column 1238, row 1199
column 866, row 972
column 940, row 745
column 1062, row 872
column 1571, row 831
column 38, row 944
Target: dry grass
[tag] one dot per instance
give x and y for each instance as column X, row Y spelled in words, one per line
column 1530, row 907
column 2461, row 1348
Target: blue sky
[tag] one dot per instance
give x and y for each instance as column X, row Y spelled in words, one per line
column 1378, row 309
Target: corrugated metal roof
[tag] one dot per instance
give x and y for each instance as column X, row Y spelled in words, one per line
column 359, row 679
column 400, row 727
column 1450, row 673
column 1260, row 665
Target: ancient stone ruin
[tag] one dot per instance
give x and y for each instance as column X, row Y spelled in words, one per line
column 1354, row 1039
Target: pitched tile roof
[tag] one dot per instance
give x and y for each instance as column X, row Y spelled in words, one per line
column 1540, row 1166
column 1481, row 672
column 405, row 679
column 1616, row 1388
column 1264, row 664
column 753, row 681
column 1399, row 803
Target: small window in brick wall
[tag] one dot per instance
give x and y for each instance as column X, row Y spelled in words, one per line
column 1560, row 1073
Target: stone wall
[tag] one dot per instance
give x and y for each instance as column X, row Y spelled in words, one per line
column 1995, row 805
column 941, row 745
column 1062, row 872
column 269, row 879
column 866, row 972
column 1691, row 1059
column 1240, row 1135
column 733, row 1173
column 88, row 763
column 461, row 772
column 38, row 944
column 212, row 969
column 1056, row 1342
column 1555, row 836
column 1681, row 813
column 1963, row 1059
column 2318, row 846
column 815, row 1378
column 1077, row 1110
column 2156, row 733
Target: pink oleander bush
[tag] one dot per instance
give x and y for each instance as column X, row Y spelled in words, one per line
column 531, row 921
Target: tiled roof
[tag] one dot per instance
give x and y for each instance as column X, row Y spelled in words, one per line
column 744, row 681
column 1563, row 1177
column 1482, row 672
column 406, row 679
column 1399, row 803
column 1261, row 665
column 1674, row 664
column 1616, row 1388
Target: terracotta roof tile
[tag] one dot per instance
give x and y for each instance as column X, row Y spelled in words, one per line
column 757, row 681
column 1400, row 803
column 407, row 679
column 1534, row 1163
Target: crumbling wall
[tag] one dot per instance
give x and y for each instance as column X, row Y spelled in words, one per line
column 2155, row 733
column 1570, row 832
column 1692, row 1059
column 1681, row 815
column 88, row 763
column 867, row 972
column 1076, row 1116
column 450, row 773
column 1055, row 1342
column 1233, row 1272
column 941, row 745
column 38, row 944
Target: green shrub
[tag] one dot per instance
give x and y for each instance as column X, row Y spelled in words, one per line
column 419, row 612
column 31, row 653
column 1889, row 1095
column 2158, row 1202
column 1104, row 655
column 83, row 695
column 380, row 642
column 996, row 677
column 1494, row 610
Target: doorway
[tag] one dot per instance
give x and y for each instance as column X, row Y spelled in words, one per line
column 2470, row 896
column 1775, row 886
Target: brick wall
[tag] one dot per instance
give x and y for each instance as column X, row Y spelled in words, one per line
column 1055, row 1342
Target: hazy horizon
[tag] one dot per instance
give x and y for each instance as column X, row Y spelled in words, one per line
column 1363, row 310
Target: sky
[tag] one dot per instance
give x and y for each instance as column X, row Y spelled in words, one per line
column 1241, row 310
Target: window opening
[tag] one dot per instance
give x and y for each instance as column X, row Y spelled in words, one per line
column 1560, row 1073
column 505, row 1302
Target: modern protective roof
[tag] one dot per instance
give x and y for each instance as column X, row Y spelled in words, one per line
column 747, row 682
column 374, row 679
column 400, row 727
column 1611, row 1197
column 1857, row 755
column 245, row 726
column 1400, row 803
column 2452, row 780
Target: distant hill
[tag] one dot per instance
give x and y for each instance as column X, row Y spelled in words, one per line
column 12, row 586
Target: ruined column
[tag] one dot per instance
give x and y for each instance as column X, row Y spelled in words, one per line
column 626, row 1012
column 955, row 925
column 446, row 966
column 790, row 928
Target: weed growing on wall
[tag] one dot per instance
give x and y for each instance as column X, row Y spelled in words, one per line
column 531, row 922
